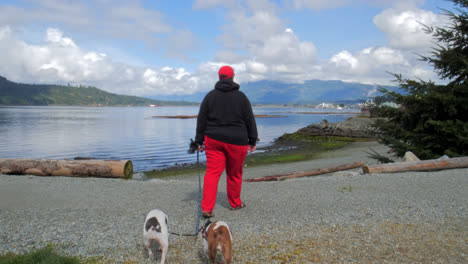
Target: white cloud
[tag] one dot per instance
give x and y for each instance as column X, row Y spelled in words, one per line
column 316, row 4
column 94, row 57
column 60, row 60
column 373, row 65
column 257, row 67
column 118, row 19
column 286, row 48
column 345, row 60
column 404, row 28
column 250, row 31
column 260, row 45
column 256, row 41
column 239, row 5
column 170, row 81
column 54, row 36
column 262, row 37
column 386, row 56
column 423, row 74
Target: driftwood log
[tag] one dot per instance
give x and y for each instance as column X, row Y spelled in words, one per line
column 425, row 165
column 74, row 168
column 300, row 174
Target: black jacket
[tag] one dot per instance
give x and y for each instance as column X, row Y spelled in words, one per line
column 226, row 115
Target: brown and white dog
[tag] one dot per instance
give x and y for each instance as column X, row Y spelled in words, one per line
column 217, row 238
column 155, row 229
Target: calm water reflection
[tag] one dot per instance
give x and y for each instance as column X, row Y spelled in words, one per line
column 65, row 132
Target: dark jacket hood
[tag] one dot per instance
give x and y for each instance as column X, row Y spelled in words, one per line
column 226, row 85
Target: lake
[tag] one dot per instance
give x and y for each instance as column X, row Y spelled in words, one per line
column 127, row 133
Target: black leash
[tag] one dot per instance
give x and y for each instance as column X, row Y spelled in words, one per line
column 197, row 229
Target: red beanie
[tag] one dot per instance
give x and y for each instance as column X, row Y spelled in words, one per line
column 226, row 72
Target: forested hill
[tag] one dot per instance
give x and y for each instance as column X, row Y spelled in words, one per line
column 12, row 93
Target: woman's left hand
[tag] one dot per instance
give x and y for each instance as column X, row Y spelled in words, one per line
column 252, row 148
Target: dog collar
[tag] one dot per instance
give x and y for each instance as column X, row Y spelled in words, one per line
column 204, row 228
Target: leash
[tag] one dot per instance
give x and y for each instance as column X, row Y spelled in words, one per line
column 199, row 194
column 197, row 229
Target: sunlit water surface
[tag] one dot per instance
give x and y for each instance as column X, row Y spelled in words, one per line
column 125, row 133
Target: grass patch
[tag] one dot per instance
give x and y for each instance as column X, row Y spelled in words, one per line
column 294, row 151
column 349, row 188
column 279, row 158
column 175, row 171
column 330, row 144
column 321, row 139
column 42, row 256
column 360, row 116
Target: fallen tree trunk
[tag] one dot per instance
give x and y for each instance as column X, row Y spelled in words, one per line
column 425, row 165
column 300, row 174
column 74, row 168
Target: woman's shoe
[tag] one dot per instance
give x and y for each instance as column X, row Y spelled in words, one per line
column 207, row 214
column 242, row 205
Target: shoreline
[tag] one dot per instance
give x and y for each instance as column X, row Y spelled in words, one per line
column 336, row 217
column 290, row 147
column 340, row 217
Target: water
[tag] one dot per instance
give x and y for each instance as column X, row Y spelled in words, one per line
column 124, row 133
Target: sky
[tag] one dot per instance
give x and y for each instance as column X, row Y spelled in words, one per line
column 162, row 47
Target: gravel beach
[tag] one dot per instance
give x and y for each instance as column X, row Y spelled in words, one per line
column 342, row 217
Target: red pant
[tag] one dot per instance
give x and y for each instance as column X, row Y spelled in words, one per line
column 220, row 156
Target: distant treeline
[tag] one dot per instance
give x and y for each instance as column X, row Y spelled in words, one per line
column 12, row 93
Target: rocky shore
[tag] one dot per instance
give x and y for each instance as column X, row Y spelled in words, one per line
column 355, row 127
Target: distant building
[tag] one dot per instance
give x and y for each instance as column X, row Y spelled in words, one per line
column 325, row 105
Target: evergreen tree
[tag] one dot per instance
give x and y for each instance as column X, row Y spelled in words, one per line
column 433, row 119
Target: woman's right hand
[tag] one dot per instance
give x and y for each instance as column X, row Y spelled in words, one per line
column 201, row 148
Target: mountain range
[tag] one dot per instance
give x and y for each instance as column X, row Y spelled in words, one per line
column 259, row 93
column 309, row 92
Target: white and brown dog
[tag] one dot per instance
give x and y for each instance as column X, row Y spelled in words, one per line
column 217, row 238
column 155, row 229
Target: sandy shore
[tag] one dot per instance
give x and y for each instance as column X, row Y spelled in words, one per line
column 343, row 217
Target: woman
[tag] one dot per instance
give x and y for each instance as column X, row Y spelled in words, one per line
column 226, row 130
